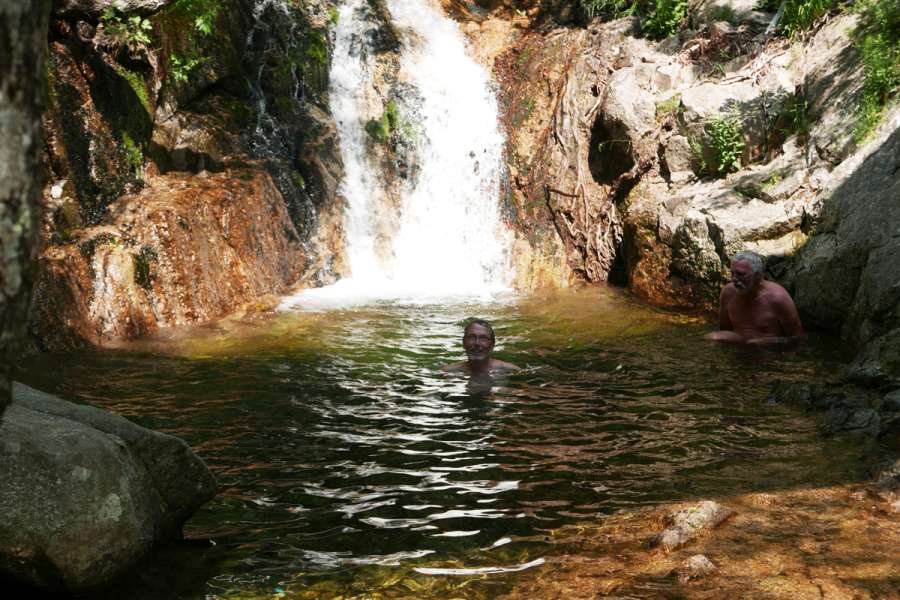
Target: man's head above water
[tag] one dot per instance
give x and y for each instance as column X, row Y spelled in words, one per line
column 747, row 271
column 478, row 339
column 478, row 342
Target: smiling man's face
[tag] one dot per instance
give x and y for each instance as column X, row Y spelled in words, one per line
column 478, row 342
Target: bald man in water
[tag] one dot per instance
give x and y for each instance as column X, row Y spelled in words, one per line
column 753, row 310
column 478, row 342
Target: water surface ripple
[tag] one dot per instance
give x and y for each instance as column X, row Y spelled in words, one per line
column 338, row 444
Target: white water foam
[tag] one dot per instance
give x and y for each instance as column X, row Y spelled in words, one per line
column 451, row 242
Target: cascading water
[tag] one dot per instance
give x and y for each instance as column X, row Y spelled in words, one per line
column 450, row 240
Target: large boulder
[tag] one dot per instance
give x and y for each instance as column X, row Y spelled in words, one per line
column 846, row 276
column 87, row 494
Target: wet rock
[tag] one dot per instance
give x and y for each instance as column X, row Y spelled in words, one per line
column 98, row 124
column 853, row 419
column 891, row 402
column 87, row 494
column 848, row 408
column 878, row 365
column 566, row 224
column 694, row 567
column 183, row 250
column 684, row 525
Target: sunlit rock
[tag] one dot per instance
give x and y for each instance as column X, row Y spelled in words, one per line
column 694, row 567
column 184, row 249
column 685, row 524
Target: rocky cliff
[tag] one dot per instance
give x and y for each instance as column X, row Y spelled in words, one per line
column 192, row 164
column 652, row 163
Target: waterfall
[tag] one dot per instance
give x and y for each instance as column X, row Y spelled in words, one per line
column 449, row 240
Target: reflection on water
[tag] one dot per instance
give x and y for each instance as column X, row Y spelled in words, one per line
column 348, row 462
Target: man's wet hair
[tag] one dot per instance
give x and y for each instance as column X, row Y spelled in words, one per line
column 484, row 324
column 753, row 259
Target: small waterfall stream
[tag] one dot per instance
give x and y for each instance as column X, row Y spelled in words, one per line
column 450, row 240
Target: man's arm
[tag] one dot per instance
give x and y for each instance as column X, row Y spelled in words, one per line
column 726, row 331
column 725, row 323
column 788, row 317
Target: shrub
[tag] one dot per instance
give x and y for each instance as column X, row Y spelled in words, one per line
column 180, row 68
column 125, row 32
column 799, row 15
column 666, row 19
column 877, row 38
column 606, row 8
column 201, row 14
column 722, row 147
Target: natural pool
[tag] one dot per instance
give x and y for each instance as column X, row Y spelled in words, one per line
column 349, row 465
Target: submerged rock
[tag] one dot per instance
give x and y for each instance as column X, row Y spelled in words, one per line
column 694, row 567
column 87, row 494
column 684, row 525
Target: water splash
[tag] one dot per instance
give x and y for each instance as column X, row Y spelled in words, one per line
column 450, row 241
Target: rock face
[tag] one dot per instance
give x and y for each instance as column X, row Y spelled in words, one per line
column 87, row 494
column 654, row 163
column 23, row 26
column 567, row 224
column 612, row 141
column 184, row 249
column 681, row 226
column 847, row 274
column 193, row 164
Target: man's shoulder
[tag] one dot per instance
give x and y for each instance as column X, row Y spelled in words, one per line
column 497, row 364
column 728, row 291
column 459, row 366
column 776, row 292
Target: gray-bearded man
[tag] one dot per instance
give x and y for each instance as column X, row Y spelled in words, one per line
column 753, row 310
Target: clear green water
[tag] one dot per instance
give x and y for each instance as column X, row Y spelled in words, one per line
column 346, row 460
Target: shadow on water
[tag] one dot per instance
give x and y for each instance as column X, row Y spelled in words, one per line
column 346, row 460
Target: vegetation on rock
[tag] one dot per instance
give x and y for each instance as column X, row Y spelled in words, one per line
column 722, row 147
column 201, row 15
column 389, row 124
column 662, row 18
column 878, row 39
column 798, row 15
column 120, row 31
column 667, row 18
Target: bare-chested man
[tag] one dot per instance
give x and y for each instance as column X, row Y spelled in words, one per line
column 478, row 342
column 753, row 310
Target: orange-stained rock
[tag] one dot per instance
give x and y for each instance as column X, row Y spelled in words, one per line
column 185, row 249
